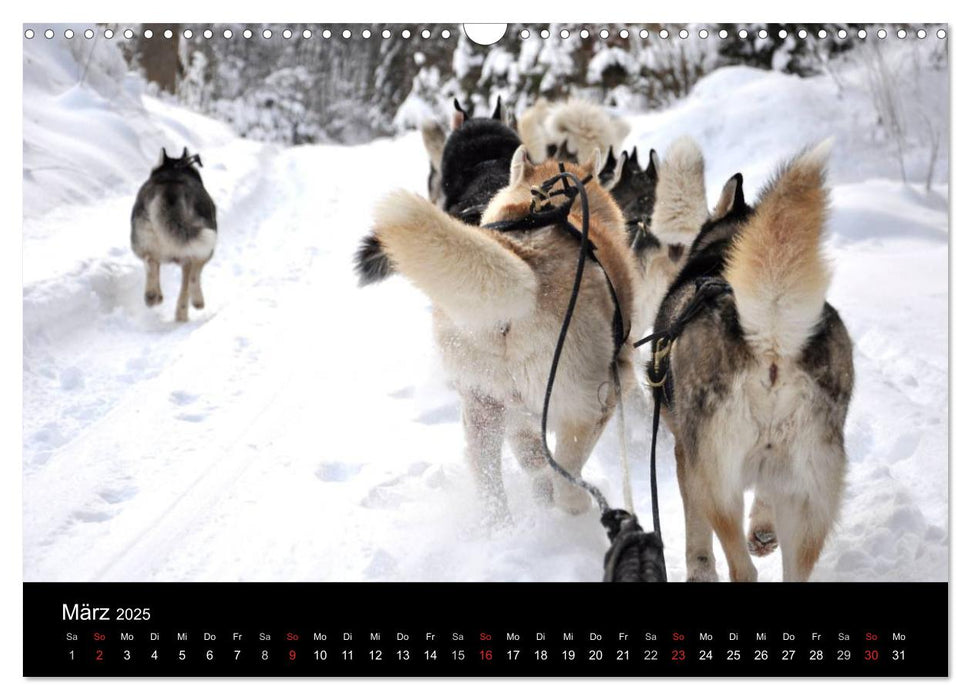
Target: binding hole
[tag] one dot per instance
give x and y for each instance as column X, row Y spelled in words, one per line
column 486, row 34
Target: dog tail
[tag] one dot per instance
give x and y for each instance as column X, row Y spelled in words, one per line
column 467, row 271
column 681, row 205
column 372, row 262
column 532, row 131
column 581, row 128
column 776, row 266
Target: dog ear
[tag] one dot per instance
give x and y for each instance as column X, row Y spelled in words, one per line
column 732, row 199
column 497, row 113
column 611, row 163
column 653, row 164
column 459, row 116
column 510, row 119
column 162, row 158
column 610, row 174
column 185, row 152
column 596, row 163
column 632, row 161
column 623, row 168
column 521, row 167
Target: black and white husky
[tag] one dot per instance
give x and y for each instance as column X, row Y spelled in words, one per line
column 759, row 381
column 473, row 165
column 174, row 221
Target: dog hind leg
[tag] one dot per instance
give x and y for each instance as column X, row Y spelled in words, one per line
column 804, row 519
column 484, row 421
column 726, row 516
column 195, row 285
column 182, row 305
column 153, row 288
column 699, row 556
column 527, row 445
column 574, row 443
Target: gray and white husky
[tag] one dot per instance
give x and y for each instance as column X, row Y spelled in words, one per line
column 174, row 221
column 760, row 379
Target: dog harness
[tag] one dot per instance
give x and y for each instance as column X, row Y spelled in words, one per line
column 543, row 213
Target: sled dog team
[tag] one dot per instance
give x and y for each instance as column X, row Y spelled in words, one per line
column 758, row 381
column 757, row 384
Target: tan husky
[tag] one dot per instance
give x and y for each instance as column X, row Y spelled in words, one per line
column 499, row 301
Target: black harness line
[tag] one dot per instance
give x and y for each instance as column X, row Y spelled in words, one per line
column 706, row 288
column 634, row 555
column 187, row 161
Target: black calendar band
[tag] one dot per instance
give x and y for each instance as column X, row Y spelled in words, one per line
column 485, row 629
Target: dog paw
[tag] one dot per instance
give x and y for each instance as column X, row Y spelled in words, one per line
column 745, row 573
column 198, row 304
column 153, row 298
column 572, row 499
column 762, row 542
column 182, row 315
column 701, row 569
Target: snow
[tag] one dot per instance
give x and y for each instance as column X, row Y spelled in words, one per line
column 300, row 428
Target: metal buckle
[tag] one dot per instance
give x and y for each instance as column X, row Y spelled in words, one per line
column 661, row 350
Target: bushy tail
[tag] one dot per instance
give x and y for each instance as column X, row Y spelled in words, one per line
column 681, row 205
column 464, row 269
column 580, row 128
column 776, row 266
column 531, row 129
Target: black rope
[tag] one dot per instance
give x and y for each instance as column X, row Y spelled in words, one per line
column 706, row 288
column 187, row 161
column 559, row 215
column 655, row 424
column 561, row 340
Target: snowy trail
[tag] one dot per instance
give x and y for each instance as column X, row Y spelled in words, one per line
column 299, row 428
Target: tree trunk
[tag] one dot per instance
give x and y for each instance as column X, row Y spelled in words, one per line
column 159, row 57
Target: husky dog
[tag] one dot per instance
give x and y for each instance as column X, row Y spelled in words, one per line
column 634, row 191
column 434, row 135
column 174, row 220
column 570, row 131
column 499, row 301
column 474, row 167
column 475, row 162
column 760, row 380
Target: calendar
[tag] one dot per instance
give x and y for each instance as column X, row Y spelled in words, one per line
column 333, row 630
column 390, row 349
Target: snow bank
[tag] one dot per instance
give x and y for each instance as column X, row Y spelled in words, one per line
column 89, row 128
column 746, row 119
